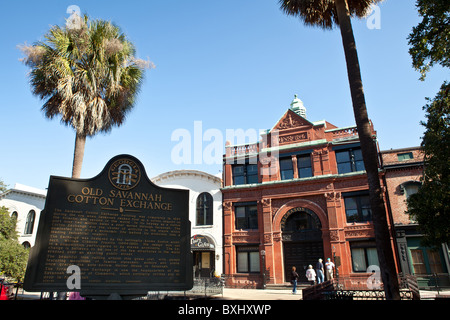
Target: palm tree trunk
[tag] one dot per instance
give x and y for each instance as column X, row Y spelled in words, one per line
column 370, row 156
column 78, row 155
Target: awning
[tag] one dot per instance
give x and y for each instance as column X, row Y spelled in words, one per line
column 202, row 243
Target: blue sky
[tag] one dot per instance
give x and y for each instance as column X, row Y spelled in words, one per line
column 229, row 64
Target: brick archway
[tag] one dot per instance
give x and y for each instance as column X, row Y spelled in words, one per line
column 279, row 217
column 299, row 203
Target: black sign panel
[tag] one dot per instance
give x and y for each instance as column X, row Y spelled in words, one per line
column 115, row 233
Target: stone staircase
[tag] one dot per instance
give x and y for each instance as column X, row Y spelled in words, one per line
column 286, row 286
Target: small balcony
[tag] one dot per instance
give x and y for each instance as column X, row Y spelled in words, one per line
column 342, row 133
column 241, row 150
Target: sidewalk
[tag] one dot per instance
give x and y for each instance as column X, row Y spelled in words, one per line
column 259, row 294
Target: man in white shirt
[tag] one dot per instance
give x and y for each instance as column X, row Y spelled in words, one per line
column 329, row 269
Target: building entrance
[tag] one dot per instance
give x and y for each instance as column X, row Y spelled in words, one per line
column 302, row 241
column 203, row 250
column 300, row 255
column 203, row 264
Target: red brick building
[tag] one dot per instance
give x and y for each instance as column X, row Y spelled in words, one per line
column 403, row 169
column 299, row 194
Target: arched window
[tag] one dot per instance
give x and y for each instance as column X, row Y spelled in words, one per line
column 14, row 215
column 409, row 188
column 301, row 221
column 204, row 209
column 29, row 224
column 301, row 224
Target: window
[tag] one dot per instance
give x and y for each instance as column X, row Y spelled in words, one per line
column 245, row 174
column 301, row 221
column 304, row 166
column 204, row 209
column 421, row 257
column 410, row 188
column 434, row 259
column 349, row 160
column 246, row 216
column 405, row 156
column 29, row 224
column 247, row 259
column 418, row 261
column 364, row 254
column 286, row 170
column 14, row 215
column 238, row 174
column 357, row 208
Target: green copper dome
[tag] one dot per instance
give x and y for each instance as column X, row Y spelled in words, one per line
column 298, row 107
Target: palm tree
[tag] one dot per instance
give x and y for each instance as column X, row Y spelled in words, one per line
column 87, row 74
column 326, row 14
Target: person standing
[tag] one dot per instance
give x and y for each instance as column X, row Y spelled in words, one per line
column 294, row 279
column 329, row 268
column 319, row 271
column 311, row 275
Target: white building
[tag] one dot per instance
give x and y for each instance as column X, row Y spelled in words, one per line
column 205, row 214
column 26, row 204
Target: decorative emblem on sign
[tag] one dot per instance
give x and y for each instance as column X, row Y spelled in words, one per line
column 124, row 174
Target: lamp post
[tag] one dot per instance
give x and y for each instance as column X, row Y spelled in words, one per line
column 263, row 256
column 337, row 264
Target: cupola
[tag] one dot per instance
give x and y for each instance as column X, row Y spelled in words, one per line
column 298, row 107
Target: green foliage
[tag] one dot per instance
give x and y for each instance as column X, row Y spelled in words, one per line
column 86, row 73
column 430, row 39
column 13, row 259
column 7, row 225
column 430, row 207
column 430, row 45
column 3, row 186
column 13, row 256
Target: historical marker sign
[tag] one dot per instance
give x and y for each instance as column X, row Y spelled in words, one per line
column 115, row 233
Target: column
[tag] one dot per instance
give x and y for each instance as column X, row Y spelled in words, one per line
column 294, row 166
column 336, row 245
column 326, row 168
column 266, row 241
column 316, row 163
column 228, row 177
column 229, row 258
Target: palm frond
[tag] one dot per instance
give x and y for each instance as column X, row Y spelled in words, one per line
column 322, row 13
column 88, row 76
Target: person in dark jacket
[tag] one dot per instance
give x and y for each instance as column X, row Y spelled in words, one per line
column 294, row 279
column 319, row 271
